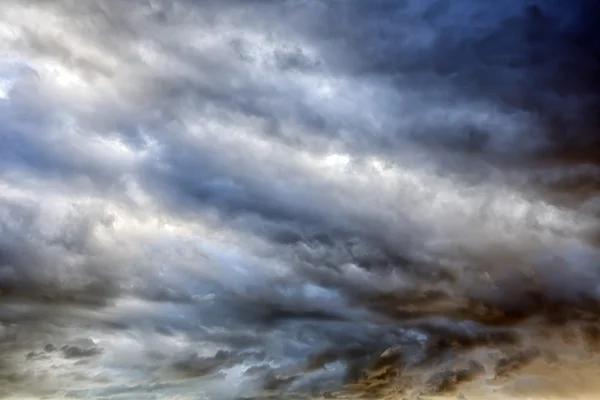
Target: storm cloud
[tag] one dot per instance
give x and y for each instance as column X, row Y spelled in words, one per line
column 240, row 198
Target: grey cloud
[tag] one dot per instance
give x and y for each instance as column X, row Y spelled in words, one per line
column 302, row 185
column 32, row 263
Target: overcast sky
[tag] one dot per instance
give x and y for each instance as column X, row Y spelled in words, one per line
column 190, row 188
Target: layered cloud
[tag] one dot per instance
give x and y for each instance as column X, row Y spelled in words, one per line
column 214, row 198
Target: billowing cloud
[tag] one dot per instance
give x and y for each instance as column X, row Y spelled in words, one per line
column 232, row 198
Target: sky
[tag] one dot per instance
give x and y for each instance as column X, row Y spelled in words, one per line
column 236, row 198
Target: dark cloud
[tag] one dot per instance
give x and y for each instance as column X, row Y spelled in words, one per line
column 239, row 198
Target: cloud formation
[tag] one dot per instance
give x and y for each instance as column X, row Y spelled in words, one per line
column 225, row 197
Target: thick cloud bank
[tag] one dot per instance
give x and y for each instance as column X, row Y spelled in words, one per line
column 226, row 199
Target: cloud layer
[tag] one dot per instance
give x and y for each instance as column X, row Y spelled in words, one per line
column 226, row 197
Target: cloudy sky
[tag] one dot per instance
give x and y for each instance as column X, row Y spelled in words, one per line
column 219, row 199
